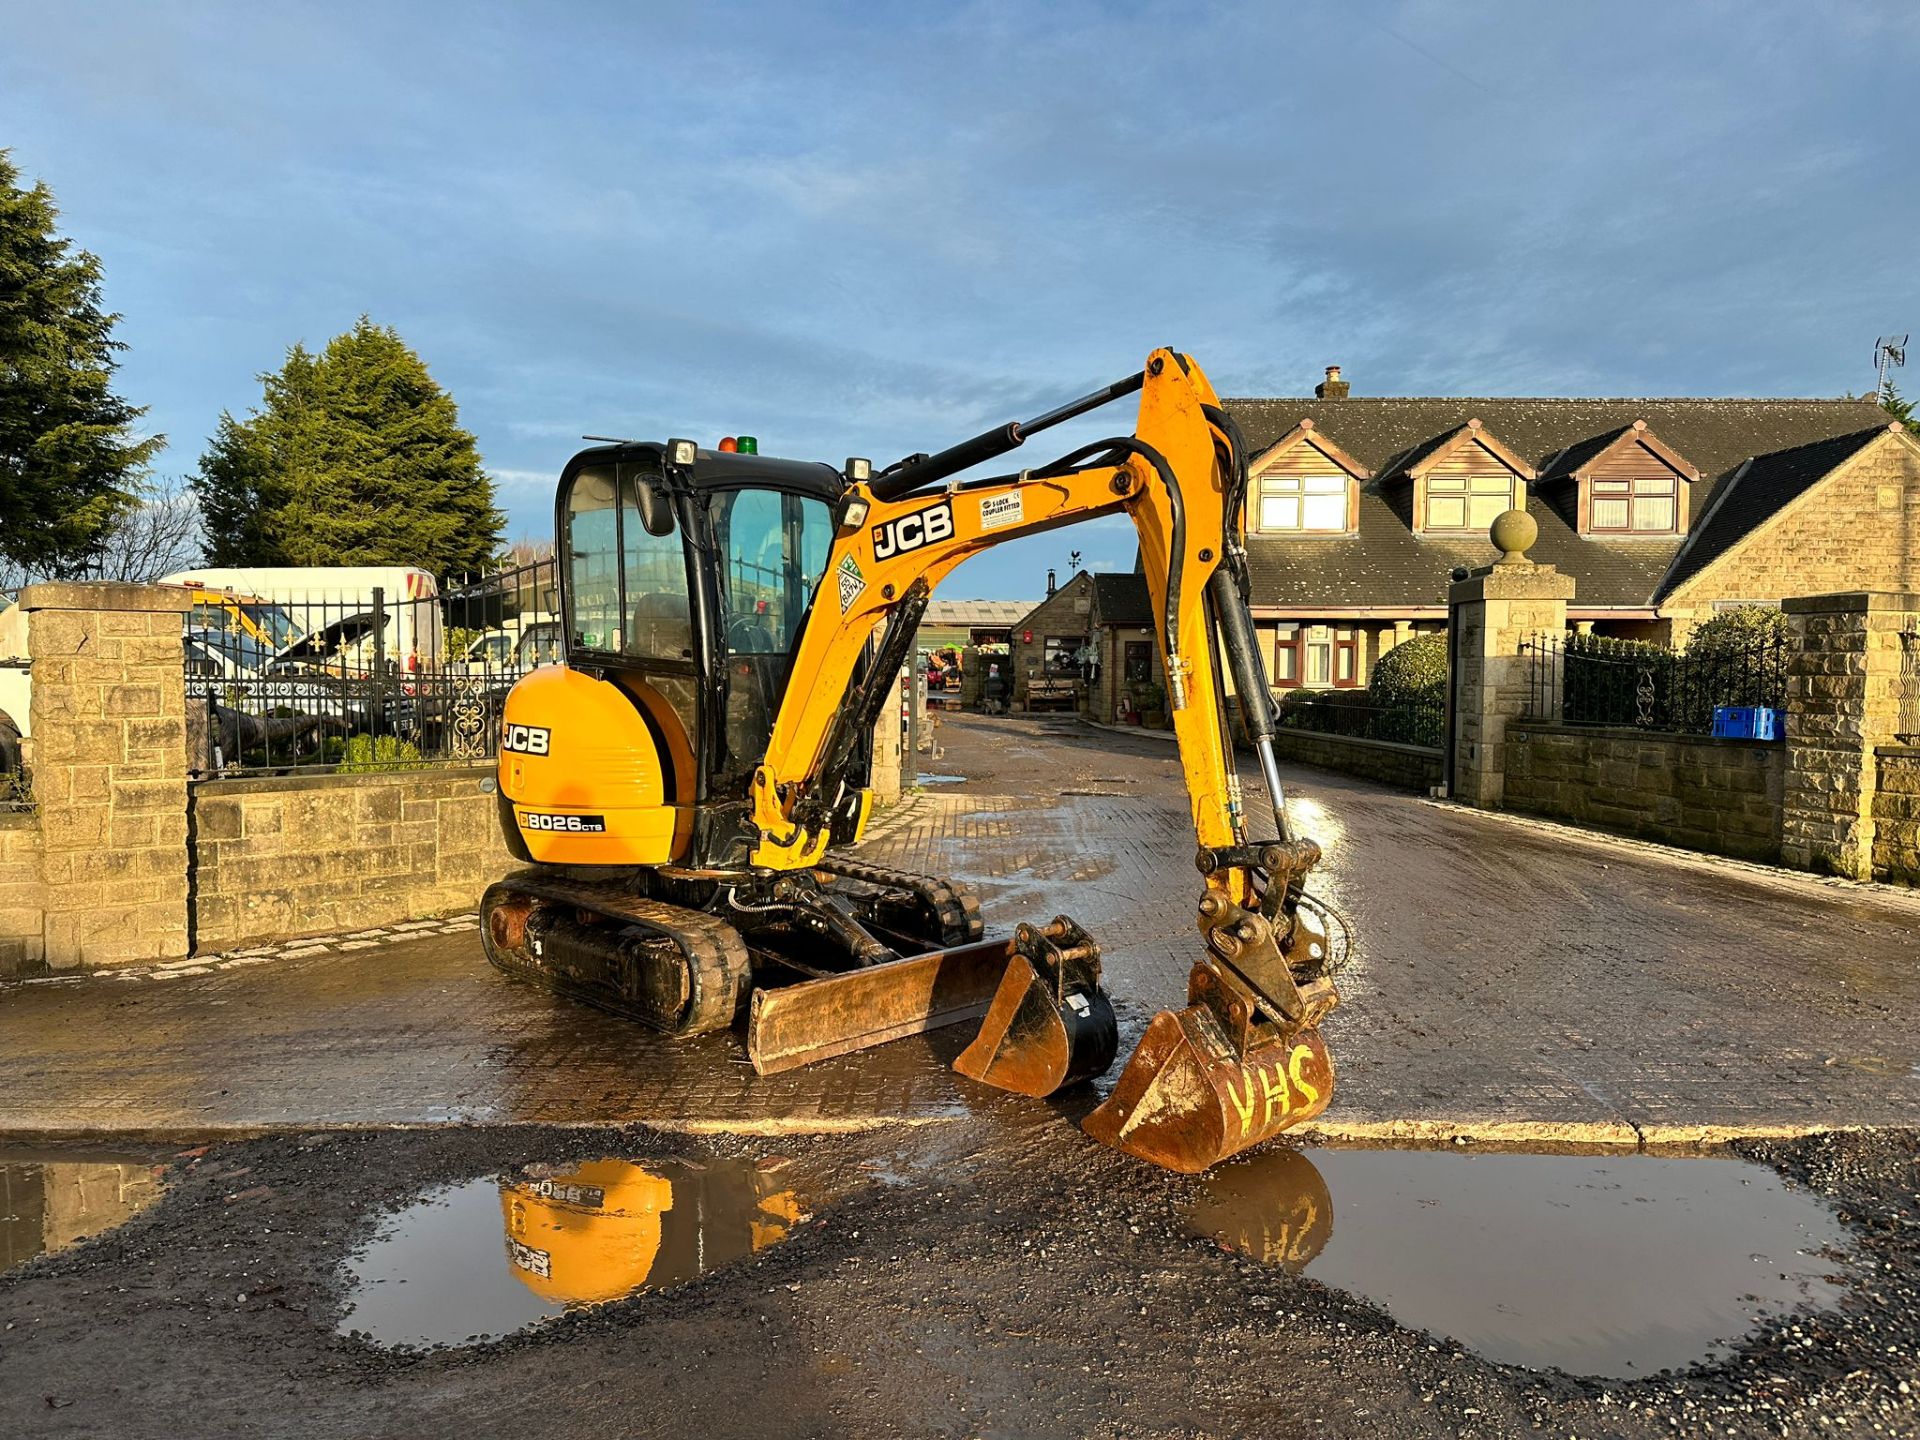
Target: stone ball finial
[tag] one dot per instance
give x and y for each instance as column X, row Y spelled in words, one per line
column 1513, row 533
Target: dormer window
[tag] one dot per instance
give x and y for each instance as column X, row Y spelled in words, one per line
column 1304, row 484
column 1467, row 502
column 1304, row 502
column 1625, row 482
column 1641, row 505
column 1464, row 480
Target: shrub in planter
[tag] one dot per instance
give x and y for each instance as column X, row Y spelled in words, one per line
column 1413, row 670
column 1149, row 702
column 366, row 754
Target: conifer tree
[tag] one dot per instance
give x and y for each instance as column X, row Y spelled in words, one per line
column 354, row 457
column 1898, row 406
column 70, row 464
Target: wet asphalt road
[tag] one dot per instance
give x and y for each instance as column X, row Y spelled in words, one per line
column 1510, row 981
column 992, row 1273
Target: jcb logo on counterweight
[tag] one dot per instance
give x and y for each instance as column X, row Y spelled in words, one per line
column 910, row 532
column 527, row 739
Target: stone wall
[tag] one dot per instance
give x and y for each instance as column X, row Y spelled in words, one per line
column 1845, row 678
column 305, row 855
column 23, row 898
column 110, row 770
column 1721, row 796
column 1896, row 815
column 1410, row 767
column 1495, row 610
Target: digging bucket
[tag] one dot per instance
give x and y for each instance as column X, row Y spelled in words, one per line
column 1190, row 1098
column 1050, row 1024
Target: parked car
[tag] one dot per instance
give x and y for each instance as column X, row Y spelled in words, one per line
column 258, row 698
column 520, row 644
column 15, row 679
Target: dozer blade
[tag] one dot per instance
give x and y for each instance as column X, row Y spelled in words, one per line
column 795, row 1025
column 1050, row 1024
column 1189, row 1099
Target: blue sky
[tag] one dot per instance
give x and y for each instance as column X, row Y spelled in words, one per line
column 868, row 229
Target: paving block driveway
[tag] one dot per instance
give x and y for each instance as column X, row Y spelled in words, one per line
column 1510, row 980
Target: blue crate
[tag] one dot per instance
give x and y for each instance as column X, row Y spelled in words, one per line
column 1747, row 722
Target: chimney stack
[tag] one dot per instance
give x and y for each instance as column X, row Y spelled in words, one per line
column 1049, row 584
column 1333, row 387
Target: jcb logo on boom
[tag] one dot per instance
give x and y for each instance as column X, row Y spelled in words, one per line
column 910, row 532
column 527, row 739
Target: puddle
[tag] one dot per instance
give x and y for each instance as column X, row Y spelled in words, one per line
column 486, row 1257
column 48, row 1204
column 1601, row 1266
column 939, row 779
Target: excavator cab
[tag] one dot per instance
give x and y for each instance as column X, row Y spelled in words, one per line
column 685, row 594
column 686, row 785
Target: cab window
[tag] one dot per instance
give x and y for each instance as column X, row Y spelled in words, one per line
column 776, row 548
column 593, row 559
column 629, row 588
column 773, row 549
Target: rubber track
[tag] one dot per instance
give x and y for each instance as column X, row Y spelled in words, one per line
column 954, row 905
column 719, row 970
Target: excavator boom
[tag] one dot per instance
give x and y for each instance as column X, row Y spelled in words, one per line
column 1244, row 1060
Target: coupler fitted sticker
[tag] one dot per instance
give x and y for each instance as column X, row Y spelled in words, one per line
column 999, row 510
column 563, row 824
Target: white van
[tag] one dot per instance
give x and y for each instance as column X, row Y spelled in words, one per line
column 15, row 678
column 333, row 610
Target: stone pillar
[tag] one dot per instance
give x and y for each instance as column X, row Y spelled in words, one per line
column 110, row 770
column 1494, row 609
column 1843, row 699
column 888, row 733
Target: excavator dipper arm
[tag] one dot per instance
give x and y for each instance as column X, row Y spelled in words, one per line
column 1244, row 1059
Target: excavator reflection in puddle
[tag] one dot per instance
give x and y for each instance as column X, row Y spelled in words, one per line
column 588, row 1233
column 1274, row 1208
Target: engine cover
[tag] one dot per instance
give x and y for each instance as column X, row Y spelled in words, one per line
column 583, row 773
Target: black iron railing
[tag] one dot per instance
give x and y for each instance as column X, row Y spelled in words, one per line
column 362, row 680
column 1419, row 719
column 1907, row 690
column 1600, row 680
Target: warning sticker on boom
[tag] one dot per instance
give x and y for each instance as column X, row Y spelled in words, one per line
column 998, row 510
column 852, row 582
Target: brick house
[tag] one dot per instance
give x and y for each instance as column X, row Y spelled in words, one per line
column 1052, row 638
column 1095, row 630
column 1660, row 509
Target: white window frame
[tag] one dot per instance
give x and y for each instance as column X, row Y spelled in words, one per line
column 1299, row 495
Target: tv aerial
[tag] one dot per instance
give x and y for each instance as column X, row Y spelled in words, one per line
column 1889, row 353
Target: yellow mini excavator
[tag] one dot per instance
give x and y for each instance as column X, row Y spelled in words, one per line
column 686, row 785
